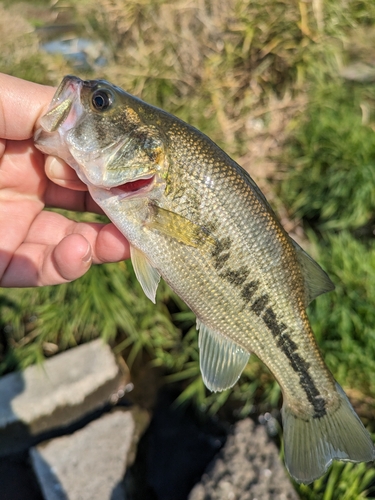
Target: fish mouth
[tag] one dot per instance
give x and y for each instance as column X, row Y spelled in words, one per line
column 136, row 187
column 63, row 109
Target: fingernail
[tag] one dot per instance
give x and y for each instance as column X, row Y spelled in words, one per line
column 60, row 173
column 57, row 168
column 88, row 255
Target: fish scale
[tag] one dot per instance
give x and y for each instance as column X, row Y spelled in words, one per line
column 242, row 330
column 198, row 220
column 243, row 334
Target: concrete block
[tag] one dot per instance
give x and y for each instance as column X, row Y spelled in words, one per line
column 56, row 393
column 90, row 464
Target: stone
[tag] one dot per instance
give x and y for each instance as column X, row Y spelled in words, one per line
column 248, row 467
column 90, row 464
column 55, row 393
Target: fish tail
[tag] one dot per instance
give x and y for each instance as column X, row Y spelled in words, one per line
column 311, row 445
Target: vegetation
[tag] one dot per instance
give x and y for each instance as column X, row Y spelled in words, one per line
column 287, row 88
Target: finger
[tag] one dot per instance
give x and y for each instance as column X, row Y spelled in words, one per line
column 39, row 265
column 63, row 175
column 70, row 259
column 106, row 241
column 66, row 190
column 69, row 199
column 57, row 250
column 111, row 246
column 49, row 228
column 22, row 103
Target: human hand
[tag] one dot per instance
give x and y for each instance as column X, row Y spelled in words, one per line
column 40, row 247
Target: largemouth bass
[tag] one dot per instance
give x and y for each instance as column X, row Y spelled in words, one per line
column 193, row 216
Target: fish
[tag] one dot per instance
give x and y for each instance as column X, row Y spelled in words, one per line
column 196, row 218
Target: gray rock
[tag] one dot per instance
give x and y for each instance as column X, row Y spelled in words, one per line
column 248, row 467
column 56, row 393
column 90, row 464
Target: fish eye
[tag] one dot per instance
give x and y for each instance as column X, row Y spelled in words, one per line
column 101, row 100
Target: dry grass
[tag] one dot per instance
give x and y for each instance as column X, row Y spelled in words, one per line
column 241, row 71
column 20, row 46
column 224, row 66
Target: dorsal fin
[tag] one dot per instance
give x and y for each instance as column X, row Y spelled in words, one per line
column 316, row 280
column 147, row 275
column 221, row 360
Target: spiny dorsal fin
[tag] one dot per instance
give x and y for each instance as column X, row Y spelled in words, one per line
column 317, row 281
column 221, row 360
column 147, row 275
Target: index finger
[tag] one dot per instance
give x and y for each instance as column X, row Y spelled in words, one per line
column 22, row 103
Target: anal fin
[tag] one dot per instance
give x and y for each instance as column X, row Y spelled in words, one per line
column 221, row 360
column 146, row 274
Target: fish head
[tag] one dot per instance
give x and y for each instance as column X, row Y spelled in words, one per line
column 104, row 134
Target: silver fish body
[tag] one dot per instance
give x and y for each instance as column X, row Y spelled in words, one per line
column 195, row 217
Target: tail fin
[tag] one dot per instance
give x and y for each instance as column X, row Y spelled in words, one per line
column 311, row 445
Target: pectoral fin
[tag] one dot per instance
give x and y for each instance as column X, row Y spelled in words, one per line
column 147, row 275
column 178, row 227
column 317, row 281
column 221, row 360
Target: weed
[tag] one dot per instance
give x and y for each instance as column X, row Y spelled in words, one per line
column 234, row 69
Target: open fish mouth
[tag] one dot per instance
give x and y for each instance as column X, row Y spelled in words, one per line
column 136, row 187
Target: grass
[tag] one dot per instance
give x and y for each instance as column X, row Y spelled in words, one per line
column 331, row 157
column 263, row 79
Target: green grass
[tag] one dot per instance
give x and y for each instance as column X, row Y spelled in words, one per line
column 98, row 304
column 343, row 320
column 344, row 482
column 219, row 66
column 331, row 158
